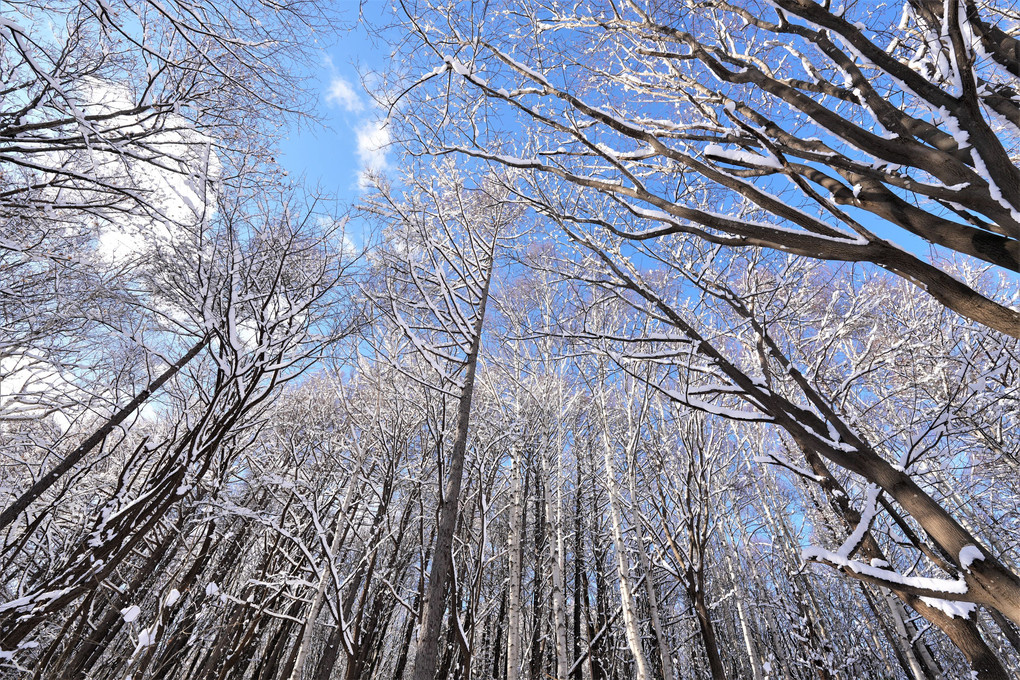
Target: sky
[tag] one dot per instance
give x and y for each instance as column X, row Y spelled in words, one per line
column 353, row 138
column 337, row 156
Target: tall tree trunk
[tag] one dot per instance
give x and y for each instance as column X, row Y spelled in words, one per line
column 745, row 632
column 696, row 593
column 630, row 617
column 536, row 664
column 513, row 630
column 579, row 594
column 918, row 669
column 427, row 655
column 498, row 657
column 665, row 656
column 12, row 511
column 555, row 537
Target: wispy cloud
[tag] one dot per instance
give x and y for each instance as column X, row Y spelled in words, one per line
column 369, row 126
column 373, row 136
column 343, row 94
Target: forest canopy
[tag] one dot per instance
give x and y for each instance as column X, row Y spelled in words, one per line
column 669, row 340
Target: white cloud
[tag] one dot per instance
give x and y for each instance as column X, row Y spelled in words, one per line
column 179, row 185
column 373, row 136
column 344, row 95
column 370, row 130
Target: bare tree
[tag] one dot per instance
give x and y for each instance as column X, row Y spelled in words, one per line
column 799, row 126
column 256, row 283
column 440, row 263
column 108, row 107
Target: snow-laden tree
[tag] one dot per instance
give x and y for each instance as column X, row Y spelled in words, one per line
column 151, row 259
column 251, row 294
column 435, row 279
column 110, row 107
column 621, row 436
column 832, row 388
column 120, row 123
column 833, row 131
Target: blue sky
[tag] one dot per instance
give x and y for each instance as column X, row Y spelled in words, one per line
column 335, row 157
column 354, row 138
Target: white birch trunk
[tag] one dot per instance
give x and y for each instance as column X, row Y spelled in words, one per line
column 553, row 526
column 665, row 657
column 630, row 619
column 513, row 633
column 745, row 631
column 901, row 630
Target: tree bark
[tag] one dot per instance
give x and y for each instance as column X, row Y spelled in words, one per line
column 630, row 618
column 12, row 511
column 427, row 655
column 554, row 533
column 513, row 642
